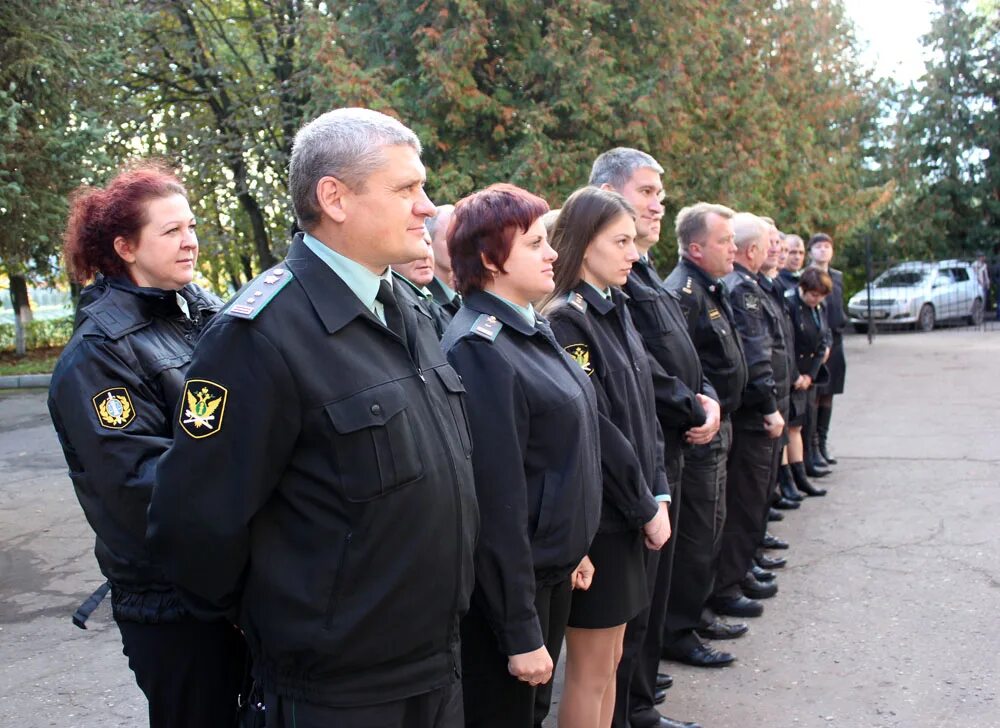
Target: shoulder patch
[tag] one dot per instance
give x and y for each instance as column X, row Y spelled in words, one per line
column 687, row 286
column 486, row 326
column 114, row 408
column 259, row 293
column 713, row 313
column 580, row 353
column 751, row 302
column 577, row 301
column 202, row 407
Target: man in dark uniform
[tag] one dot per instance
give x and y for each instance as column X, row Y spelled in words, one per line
column 414, row 278
column 788, row 276
column 686, row 408
column 320, row 473
column 705, row 243
column 757, row 425
column 440, row 285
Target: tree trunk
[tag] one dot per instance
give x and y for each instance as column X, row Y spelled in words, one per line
column 22, row 311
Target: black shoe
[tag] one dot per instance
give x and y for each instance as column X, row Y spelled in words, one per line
column 826, row 453
column 786, row 484
column 666, row 722
column 786, row 505
column 699, row 655
column 762, row 575
column 659, row 697
column 773, row 515
column 736, row 606
column 767, row 562
column 814, row 470
column 799, row 472
column 758, row 590
column 719, row 630
column 773, row 542
column 823, row 416
column 664, row 681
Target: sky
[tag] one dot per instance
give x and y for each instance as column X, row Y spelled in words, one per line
column 891, row 29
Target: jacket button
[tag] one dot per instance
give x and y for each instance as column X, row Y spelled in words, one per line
column 376, row 409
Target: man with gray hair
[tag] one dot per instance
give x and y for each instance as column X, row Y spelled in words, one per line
column 688, row 415
column 758, row 422
column 440, row 286
column 320, row 418
column 705, row 240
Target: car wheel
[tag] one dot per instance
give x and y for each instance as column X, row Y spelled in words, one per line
column 976, row 313
column 926, row 318
column 860, row 328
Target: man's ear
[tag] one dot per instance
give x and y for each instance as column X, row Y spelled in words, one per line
column 125, row 249
column 605, row 186
column 331, row 194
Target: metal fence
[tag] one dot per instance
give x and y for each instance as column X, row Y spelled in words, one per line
column 919, row 296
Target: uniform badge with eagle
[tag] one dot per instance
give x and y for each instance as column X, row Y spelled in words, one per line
column 203, row 407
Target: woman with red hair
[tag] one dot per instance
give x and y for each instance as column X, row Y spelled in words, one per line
column 113, row 399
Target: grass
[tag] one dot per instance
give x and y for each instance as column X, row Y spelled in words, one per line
column 36, row 361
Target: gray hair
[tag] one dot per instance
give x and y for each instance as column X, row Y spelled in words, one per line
column 343, row 143
column 749, row 228
column 616, row 166
column 793, row 238
column 691, row 223
column 431, row 223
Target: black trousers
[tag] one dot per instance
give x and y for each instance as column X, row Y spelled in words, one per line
column 750, row 478
column 493, row 697
column 441, row 708
column 641, row 693
column 190, row 672
column 699, row 535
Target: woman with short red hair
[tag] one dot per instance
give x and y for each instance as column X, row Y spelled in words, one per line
column 113, row 398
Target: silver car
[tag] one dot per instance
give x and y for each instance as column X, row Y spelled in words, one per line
column 920, row 295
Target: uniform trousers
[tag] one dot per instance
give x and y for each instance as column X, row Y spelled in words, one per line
column 699, row 535
column 493, row 697
column 191, row 672
column 642, row 690
column 440, row 708
column 750, row 478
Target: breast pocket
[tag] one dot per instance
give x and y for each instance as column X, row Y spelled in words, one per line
column 456, row 401
column 376, row 450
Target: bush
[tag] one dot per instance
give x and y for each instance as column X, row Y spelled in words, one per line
column 38, row 334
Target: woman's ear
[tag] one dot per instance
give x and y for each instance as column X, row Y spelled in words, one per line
column 488, row 265
column 125, row 249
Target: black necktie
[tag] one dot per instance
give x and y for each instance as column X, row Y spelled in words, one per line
column 390, row 310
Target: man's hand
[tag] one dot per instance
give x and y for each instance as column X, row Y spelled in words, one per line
column 774, row 424
column 657, row 530
column 582, row 575
column 803, row 382
column 534, row 668
column 703, row 434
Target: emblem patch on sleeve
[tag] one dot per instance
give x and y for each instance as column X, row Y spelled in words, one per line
column 581, row 355
column 114, row 408
column 203, row 406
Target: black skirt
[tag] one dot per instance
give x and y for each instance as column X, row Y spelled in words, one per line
column 799, row 400
column 619, row 590
column 837, row 366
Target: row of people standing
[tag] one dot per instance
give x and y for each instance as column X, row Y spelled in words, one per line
column 389, row 520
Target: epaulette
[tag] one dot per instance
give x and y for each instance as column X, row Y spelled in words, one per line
column 486, row 326
column 789, row 293
column 687, row 286
column 577, row 301
column 259, row 293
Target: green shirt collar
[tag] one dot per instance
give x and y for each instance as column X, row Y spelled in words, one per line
column 449, row 292
column 605, row 294
column 359, row 279
column 528, row 312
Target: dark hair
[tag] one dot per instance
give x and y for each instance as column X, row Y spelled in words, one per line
column 483, row 226
column 820, row 238
column 816, row 281
column 586, row 212
column 97, row 216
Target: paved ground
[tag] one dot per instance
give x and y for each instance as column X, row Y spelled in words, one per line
column 886, row 616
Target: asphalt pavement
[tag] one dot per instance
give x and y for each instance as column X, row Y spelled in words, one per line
column 885, row 618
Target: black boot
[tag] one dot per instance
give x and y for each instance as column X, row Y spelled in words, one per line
column 802, row 482
column 823, row 415
column 787, row 484
column 814, row 468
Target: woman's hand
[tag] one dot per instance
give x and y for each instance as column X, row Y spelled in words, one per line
column 803, row 382
column 534, row 668
column 582, row 575
column 657, row 530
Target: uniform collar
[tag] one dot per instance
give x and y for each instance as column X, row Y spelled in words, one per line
column 527, row 312
column 594, row 297
column 713, row 285
column 359, row 279
column 493, row 305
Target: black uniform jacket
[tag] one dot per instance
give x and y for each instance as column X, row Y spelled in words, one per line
column 332, row 499
column 757, row 335
column 112, row 400
column 710, row 324
column 787, row 279
column 600, row 336
column 659, row 320
column 438, row 316
column 537, row 459
column 833, row 305
column 450, row 305
column 783, row 346
column 812, row 337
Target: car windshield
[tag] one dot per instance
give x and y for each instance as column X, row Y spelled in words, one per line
column 900, row 278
